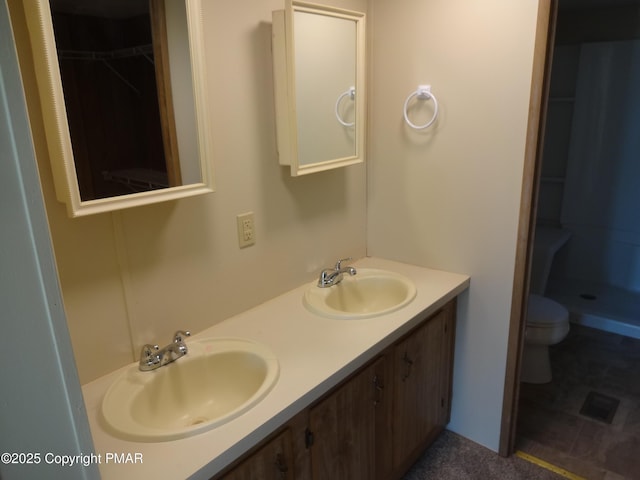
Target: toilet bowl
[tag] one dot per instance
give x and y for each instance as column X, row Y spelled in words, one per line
column 547, row 324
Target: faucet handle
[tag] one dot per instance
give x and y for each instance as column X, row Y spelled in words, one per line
column 339, row 262
column 149, row 357
column 149, row 350
column 180, row 335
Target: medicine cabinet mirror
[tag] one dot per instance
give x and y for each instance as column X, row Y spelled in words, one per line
column 319, row 65
column 122, row 87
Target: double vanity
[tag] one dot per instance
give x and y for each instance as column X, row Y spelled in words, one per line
column 351, row 371
column 290, row 384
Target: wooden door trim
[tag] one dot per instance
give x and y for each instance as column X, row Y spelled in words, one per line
column 157, row 12
column 541, row 73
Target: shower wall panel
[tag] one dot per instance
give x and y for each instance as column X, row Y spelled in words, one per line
column 601, row 203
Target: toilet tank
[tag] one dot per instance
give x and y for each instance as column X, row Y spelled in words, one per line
column 547, row 241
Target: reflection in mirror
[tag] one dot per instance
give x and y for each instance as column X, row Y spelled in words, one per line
column 325, row 68
column 108, row 70
column 124, row 119
column 319, row 86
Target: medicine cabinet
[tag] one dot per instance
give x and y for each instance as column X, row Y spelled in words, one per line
column 123, row 95
column 319, row 81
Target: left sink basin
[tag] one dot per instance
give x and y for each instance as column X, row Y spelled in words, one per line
column 218, row 380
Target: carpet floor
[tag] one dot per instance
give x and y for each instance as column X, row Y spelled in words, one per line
column 452, row 457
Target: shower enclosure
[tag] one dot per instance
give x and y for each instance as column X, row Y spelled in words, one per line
column 590, row 183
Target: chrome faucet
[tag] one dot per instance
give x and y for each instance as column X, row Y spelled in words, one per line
column 333, row 276
column 153, row 357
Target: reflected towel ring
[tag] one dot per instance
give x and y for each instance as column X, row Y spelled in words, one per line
column 352, row 95
column 423, row 93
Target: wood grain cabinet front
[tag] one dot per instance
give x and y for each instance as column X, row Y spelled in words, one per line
column 272, row 461
column 375, row 424
column 345, row 427
column 421, row 385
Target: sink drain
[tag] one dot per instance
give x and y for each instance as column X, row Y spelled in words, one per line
column 198, row 421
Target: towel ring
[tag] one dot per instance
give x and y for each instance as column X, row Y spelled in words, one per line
column 423, row 93
column 352, row 95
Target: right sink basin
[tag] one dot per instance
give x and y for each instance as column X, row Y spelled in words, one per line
column 369, row 293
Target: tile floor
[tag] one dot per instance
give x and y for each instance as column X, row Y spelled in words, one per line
column 550, row 426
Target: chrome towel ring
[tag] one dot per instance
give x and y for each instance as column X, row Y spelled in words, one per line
column 352, row 95
column 422, row 93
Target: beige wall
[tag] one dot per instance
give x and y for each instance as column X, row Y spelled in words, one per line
column 136, row 276
column 448, row 197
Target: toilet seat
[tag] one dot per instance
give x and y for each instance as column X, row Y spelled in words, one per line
column 547, row 324
column 543, row 312
column 547, row 321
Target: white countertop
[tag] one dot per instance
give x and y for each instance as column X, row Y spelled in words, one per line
column 315, row 354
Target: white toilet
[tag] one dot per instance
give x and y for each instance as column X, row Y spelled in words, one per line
column 547, row 324
column 547, row 321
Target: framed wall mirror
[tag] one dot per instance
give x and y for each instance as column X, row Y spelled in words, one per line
column 319, row 81
column 123, row 93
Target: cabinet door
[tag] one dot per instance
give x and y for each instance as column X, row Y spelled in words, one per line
column 446, row 371
column 343, row 428
column 272, row 462
column 418, row 411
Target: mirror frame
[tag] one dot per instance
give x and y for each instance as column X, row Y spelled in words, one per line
column 43, row 44
column 285, row 86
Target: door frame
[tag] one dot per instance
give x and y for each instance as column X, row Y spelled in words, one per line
column 540, row 80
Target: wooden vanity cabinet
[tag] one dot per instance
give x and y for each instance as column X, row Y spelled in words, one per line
column 272, row 461
column 375, row 424
column 423, row 363
column 347, row 425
